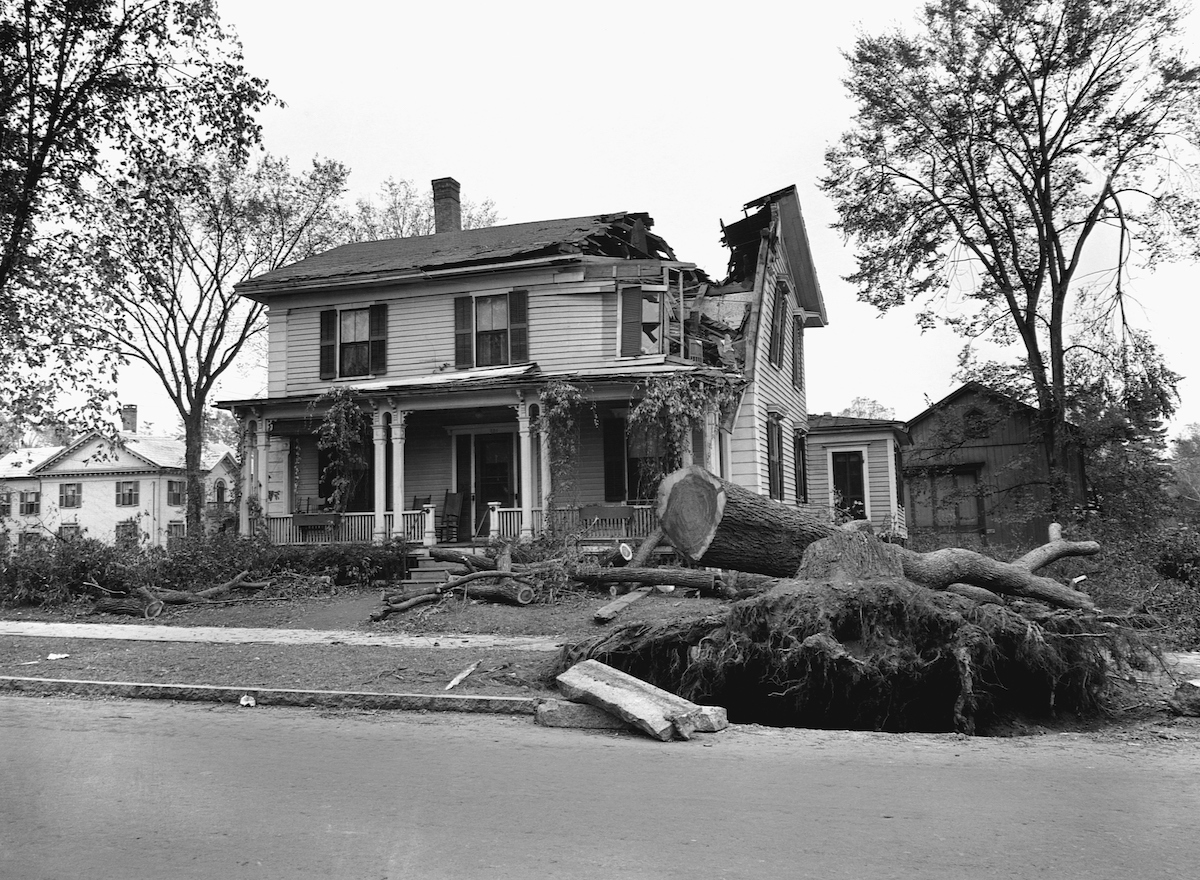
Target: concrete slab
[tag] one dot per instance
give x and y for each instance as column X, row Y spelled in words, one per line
column 271, row 696
column 249, row 635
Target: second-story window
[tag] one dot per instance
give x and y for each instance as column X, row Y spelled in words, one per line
column 5, row 504
column 354, row 342
column 175, row 493
column 491, row 330
column 779, row 316
column 30, row 503
column 70, row 494
column 128, row 493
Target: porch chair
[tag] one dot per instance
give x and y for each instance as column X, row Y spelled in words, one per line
column 419, row 501
column 451, row 514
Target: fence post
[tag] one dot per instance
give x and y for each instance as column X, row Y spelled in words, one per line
column 430, row 537
column 493, row 520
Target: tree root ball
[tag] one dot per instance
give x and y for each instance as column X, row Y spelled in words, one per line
column 879, row 654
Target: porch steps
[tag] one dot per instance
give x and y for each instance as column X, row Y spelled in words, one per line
column 424, row 570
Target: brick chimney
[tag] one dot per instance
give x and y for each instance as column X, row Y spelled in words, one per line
column 447, row 210
column 129, row 418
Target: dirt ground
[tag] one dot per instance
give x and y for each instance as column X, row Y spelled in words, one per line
column 1138, row 711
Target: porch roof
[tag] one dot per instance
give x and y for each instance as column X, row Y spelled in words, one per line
column 494, row 378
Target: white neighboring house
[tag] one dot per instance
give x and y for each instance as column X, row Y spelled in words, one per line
column 130, row 491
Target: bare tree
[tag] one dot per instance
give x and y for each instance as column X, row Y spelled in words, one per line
column 401, row 211
column 178, row 242
column 85, row 86
column 868, row 408
column 1009, row 150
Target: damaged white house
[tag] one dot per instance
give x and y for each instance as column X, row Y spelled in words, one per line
column 450, row 340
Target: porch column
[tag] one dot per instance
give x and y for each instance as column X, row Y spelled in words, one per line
column 398, row 418
column 379, row 435
column 526, row 448
column 247, row 477
column 263, row 453
column 547, row 489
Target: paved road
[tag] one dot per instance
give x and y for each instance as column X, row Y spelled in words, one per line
column 152, row 790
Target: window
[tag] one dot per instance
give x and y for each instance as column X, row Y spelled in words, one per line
column 30, row 503
column 219, row 493
column 779, row 316
column 630, row 463
column 975, row 424
column 800, row 451
column 491, row 331
column 775, row 457
column 27, row 540
column 176, row 530
column 126, row 533
column 128, row 492
column 650, row 321
column 70, row 494
column 68, row 531
column 175, row 493
column 354, row 342
column 848, row 484
column 5, row 504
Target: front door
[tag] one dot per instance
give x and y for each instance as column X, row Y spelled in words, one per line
column 487, row 464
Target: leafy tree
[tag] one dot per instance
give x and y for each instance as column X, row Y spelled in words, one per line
column 1185, row 460
column 1011, row 151
column 401, row 211
column 178, row 241
column 87, row 86
column 868, row 408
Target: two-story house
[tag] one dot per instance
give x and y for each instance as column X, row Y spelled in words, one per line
column 450, row 339
column 131, row 490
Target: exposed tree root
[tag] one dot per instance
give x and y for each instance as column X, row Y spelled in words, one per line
column 883, row 654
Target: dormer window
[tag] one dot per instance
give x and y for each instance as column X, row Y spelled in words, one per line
column 354, row 342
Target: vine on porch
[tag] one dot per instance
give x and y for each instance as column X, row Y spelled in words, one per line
column 562, row 406
column 671, row 408
column 342, row 434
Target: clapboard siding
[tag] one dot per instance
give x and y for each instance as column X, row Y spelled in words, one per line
column 277, row 333
column 570, row 325
column 879, row 479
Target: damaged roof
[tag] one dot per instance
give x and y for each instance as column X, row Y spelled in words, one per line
column 623, row 235
column 744, row 236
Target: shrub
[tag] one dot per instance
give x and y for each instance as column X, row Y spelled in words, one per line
column 53, row 572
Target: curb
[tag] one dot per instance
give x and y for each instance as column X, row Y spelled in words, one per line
column 271, row 696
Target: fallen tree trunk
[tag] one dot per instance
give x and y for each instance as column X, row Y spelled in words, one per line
column 706, row 581
column 719, row 524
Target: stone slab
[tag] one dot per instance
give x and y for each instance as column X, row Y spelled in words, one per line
column 563, row 713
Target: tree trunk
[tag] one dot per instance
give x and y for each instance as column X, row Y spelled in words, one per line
column 724, row 526
column 193, row 455
column 721, row 525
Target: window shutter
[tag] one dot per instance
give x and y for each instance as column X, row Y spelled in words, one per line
column 518, row 327
column 118, row 492
column 778, row 319
column 631, row 322
column 800, row 450
column 464, row 350
column 798, row 355
column 614, row 459
column 378, row 330
column 329, row 344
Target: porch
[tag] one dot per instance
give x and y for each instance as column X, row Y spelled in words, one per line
column 597, row 522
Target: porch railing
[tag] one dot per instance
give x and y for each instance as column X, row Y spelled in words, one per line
column 419, row 527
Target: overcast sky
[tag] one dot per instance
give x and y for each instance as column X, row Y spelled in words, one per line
column 682, row 110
